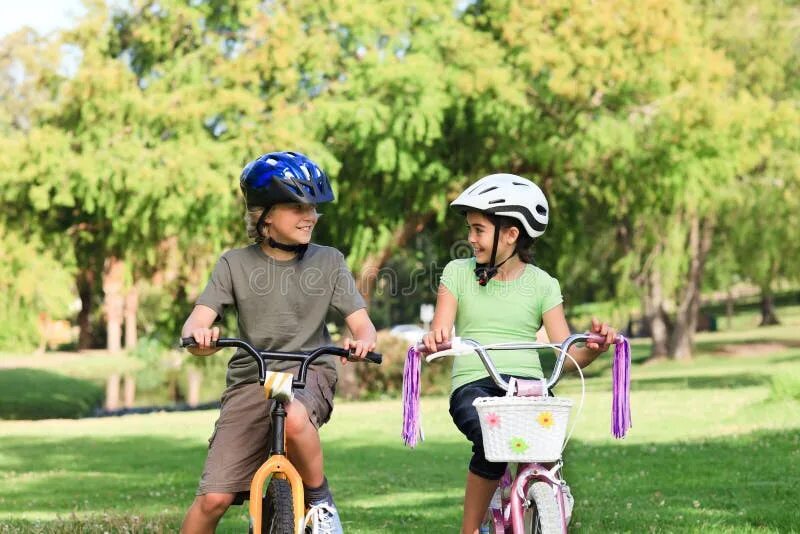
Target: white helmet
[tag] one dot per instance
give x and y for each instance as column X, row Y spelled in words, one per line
column 508, row 195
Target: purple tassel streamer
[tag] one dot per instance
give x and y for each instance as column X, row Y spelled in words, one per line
column 411, row 387
column 621, row 380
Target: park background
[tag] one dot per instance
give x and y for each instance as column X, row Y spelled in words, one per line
column 666, row 135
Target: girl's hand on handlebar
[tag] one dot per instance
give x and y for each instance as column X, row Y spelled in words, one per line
column 205, row 337
column 358, row 348
column 605, row 330
column 437, row 335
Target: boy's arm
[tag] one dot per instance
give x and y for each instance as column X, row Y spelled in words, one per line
column 557, row 330
column 364, row 335
column 443, row 319
column 198, row 326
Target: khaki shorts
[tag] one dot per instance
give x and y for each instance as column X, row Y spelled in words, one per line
column 240, row 441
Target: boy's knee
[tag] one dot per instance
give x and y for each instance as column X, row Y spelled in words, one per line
column 296, row 419
column 215, row 504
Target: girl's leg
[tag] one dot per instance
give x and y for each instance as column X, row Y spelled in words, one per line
column 477, row 497
column 205, row 512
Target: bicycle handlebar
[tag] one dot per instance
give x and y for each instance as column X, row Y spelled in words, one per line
column 305, row 358
column 481, row 350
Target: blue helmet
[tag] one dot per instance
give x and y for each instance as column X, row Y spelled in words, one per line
column 284, row 177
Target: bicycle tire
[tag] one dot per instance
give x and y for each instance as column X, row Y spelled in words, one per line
column 278, row 511
column 543, row 515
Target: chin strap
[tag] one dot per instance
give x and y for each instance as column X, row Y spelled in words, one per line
column 486, row 271
column 300, row 249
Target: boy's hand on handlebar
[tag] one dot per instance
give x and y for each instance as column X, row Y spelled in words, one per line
column 205, row 337
column 437, row 335
column 358, row 349
column 605, row 330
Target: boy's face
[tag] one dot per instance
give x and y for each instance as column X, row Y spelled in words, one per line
column 292, row 224
column 481, row 237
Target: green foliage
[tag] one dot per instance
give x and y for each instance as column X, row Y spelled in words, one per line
column 37, row 394
column 637, row 119
column 36, row 284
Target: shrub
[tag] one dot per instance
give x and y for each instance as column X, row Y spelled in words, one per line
column 37, row 394
column 387, row 379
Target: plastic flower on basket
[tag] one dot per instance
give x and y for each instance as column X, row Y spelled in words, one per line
column 545, row 419
column 493, row 420
column 518, row 445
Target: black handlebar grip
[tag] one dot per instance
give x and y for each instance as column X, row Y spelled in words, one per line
column 187, row 342
column 375, row 357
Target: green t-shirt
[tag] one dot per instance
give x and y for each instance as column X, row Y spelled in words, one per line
column 501, row 311
column 280, row 305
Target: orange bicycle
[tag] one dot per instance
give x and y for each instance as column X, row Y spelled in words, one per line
column 281, row 509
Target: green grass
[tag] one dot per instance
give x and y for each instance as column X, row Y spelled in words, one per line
column 39, row 394
column 713, row 449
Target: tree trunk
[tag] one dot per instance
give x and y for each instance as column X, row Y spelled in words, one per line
column 372, row 264
column 85, row 283
column 128, row 391
column 365, row 282
column 768, row 316
column 114, row 302
column 655, row 316
column 682, row 341
column 131, row 308
column 112, row 392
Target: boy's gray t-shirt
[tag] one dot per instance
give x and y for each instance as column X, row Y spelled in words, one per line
column 281, row 305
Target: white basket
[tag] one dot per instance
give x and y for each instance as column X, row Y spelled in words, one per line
column 523, row 429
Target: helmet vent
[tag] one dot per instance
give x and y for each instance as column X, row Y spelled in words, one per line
column 519, row 183
column 497, row 201
column 488, row 189
column 541, row 210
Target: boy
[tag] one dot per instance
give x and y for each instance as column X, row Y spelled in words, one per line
column 281, row 287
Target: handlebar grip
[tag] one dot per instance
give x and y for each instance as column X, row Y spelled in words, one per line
column 597, row 338
column 374, row 357
column 187, row 342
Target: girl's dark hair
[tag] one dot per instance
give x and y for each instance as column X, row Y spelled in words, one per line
column 524, row 246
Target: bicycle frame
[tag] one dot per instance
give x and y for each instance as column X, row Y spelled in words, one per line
column 277, row 463
column 511, row 511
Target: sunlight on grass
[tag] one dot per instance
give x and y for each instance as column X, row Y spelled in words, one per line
column 712, row 449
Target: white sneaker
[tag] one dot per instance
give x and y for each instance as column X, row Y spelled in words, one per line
column 323, row 518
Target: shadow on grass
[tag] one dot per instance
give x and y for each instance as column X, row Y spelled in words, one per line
column 37, row 394
column 700, row 382
column 136, row 483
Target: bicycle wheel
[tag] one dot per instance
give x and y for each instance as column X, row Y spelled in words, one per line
column 278, row 513
column 543, row 515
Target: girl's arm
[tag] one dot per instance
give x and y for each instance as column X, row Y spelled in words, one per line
column 443, row 319
column 557, row 330
column 198, row 326
column 364, row 335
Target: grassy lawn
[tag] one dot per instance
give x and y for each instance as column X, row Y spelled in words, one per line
column 715, row 447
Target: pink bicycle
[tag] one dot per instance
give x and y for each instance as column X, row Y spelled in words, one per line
column 526, row 428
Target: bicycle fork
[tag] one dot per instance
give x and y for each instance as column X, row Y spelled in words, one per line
column 279, row 466
column 517, row 495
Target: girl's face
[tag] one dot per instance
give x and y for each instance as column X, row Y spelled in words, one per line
column 481, row 237
column 292, row 224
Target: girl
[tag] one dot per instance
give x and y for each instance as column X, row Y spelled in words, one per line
column 496, row 296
